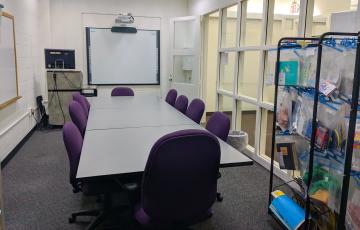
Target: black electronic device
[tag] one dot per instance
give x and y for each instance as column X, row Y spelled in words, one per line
column 123, row 29
column 59, row 59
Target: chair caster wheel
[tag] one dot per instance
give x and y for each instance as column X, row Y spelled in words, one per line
column 219, row 198
column 99, row 199
column 72, row 220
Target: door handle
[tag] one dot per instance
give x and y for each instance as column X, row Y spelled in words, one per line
column 171, row 77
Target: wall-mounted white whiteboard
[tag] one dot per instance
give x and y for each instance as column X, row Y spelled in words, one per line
column 8, row 67
column 123, row 58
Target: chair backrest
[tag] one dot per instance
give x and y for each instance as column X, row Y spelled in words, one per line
column 73, row 142
column 122, row 91
column 86, row 102
column 181, row 103
column 219, row 125
column 78, row 116
column 83, row 102
column 171, row 97
column 195, row 110
column 180, row 177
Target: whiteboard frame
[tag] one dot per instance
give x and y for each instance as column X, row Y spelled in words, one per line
column 88, row 59
column 17, row 97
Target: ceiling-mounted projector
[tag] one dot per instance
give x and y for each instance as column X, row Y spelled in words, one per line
column 122, row 23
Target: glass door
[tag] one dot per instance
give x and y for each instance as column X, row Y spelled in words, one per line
column 185, row 56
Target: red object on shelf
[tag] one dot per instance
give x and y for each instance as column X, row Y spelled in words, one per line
column 322, row 137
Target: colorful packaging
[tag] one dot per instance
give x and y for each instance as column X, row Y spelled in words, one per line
column 288, row 72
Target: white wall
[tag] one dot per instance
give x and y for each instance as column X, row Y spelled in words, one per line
column 344, row 21
column 67, row 25
column 32, row 35
column 348, row 21
column 42, row 24
column 201, row 7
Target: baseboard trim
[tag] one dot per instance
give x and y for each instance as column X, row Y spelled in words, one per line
column 8, row 158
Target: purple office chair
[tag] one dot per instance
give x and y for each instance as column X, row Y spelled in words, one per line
column 122, row 91
column 181, row 103
column 180, row 179
column 195, row 110
column 83, row 102
column 73, row 142
column 219, row 125
column 171, row 97
column 78, row 116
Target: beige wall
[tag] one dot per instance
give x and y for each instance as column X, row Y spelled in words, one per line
column 211, row 63
column 324, row 7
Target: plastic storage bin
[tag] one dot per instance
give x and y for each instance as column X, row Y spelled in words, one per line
column 238, row 139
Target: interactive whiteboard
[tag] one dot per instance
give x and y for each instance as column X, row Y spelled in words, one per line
column 123, row 58
column 8, row 68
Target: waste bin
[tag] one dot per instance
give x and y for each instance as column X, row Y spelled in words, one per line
column 238, row 139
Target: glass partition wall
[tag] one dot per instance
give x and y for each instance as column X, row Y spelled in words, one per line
column 247, row 36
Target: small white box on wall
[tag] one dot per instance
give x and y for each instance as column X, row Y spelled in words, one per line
column 188, row 63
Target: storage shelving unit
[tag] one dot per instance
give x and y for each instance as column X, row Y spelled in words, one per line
column 315, row 122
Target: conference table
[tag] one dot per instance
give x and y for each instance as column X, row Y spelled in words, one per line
column 121, row 131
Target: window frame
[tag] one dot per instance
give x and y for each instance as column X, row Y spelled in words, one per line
column 240, row 48
column 305, row 20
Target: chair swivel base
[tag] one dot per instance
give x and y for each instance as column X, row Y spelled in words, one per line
column 98, row 220
column 100, row 214
column 103, row 216
column 74, row 215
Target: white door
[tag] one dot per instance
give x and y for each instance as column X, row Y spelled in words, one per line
column 185, row 47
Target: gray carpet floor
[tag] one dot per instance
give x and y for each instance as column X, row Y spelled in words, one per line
column 37, row 193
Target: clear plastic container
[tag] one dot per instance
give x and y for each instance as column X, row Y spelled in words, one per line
column 335, row 183
column 331, row 65
column 308, row 62
column 347, row 73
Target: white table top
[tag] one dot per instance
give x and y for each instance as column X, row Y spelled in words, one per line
column 143, row 100
column 134, row 115
column 122, row 130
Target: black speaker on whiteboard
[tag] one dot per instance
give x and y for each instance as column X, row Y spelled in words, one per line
column 123, row 29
